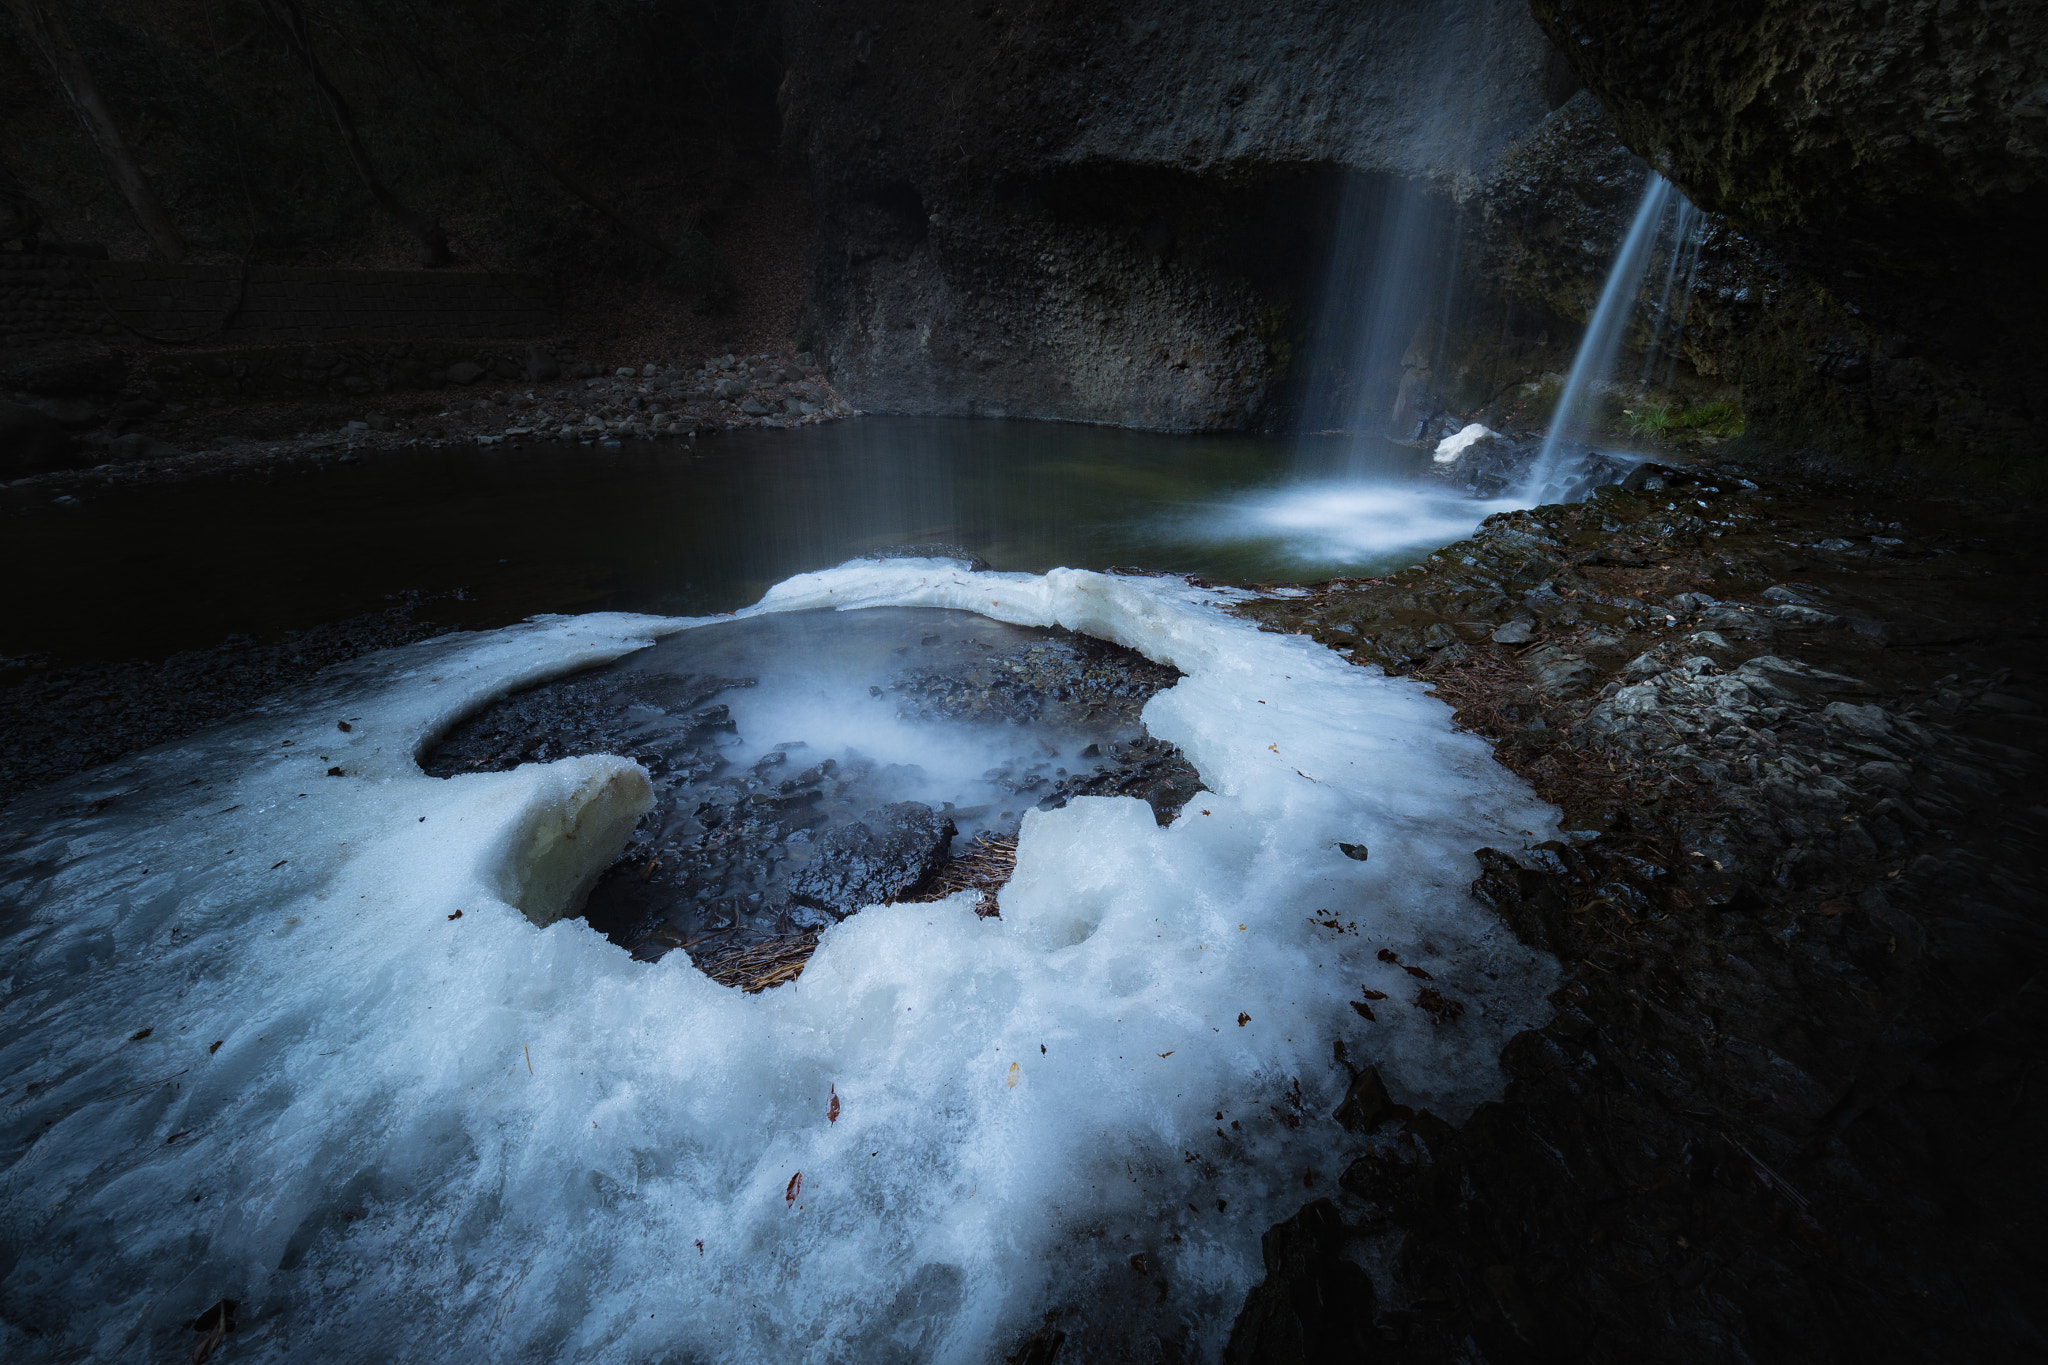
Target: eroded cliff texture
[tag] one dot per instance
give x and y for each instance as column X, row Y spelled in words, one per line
column 1111, row 213
column 1893, row 160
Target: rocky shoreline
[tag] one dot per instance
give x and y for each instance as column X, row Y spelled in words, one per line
column 148, row 437
column 1785, row 1110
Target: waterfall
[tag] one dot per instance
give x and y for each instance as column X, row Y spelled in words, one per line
column 1571, row 422
column 1372, row 356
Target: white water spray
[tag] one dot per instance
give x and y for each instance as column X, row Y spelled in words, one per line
column 1571, row 421
column 1387, row 282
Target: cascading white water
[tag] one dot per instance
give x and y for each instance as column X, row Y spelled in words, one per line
column 1570, row 423
column 1374, row 355
column 1387, row 280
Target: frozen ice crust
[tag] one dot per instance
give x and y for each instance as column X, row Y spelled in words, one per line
column 321, row 1044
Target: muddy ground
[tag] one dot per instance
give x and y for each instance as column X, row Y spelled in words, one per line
column 1789, row 1107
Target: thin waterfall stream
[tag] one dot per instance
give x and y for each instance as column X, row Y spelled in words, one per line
column 1573, row 420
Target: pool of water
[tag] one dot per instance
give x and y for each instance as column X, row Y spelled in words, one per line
column 665, row 527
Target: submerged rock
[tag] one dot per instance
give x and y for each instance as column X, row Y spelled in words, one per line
column 883, row 856
column 736, row 851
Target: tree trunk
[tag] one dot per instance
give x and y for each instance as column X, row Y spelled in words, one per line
column 45, row 28
column 433, row 240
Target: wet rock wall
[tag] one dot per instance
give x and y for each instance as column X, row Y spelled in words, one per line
column 46, row 298
column 1892, row 163
column 1066, row 211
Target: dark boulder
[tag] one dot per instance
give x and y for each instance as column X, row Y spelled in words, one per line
column 1366, row 1105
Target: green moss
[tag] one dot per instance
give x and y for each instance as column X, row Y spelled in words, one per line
column 1646, row 419
column 1670, row 422
column 1541, row 395
column 1719, row 418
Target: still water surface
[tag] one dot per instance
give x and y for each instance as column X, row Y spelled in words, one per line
column 665, row 527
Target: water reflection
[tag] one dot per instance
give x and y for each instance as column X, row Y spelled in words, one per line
column 655, row 527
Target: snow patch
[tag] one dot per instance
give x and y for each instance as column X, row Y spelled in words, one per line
column 1458, row 442
column 302, row 1041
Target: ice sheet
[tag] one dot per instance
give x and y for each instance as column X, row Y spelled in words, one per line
column 431, row 1130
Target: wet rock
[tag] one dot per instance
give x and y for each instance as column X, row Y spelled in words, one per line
column 1795, row 616
column 1645, row 478
column 1366, row 1105
column 1314, row 1305
column 1555, row 670
column 1863, row 722
column 883, row 857
column 1516, row 632
column 1749, row 622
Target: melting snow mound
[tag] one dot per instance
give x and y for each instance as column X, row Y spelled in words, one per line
column 322, row 1046
column 1459, row 441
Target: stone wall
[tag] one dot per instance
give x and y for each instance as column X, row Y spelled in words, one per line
column 1104, row 212
column 55, row 299
column 1893, row 161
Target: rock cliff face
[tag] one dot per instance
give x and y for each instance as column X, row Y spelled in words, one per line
column 1892, row 162
column 1122, row 213
column 1104, row 212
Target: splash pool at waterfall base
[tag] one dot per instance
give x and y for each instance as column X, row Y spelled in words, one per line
column 498, row 533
